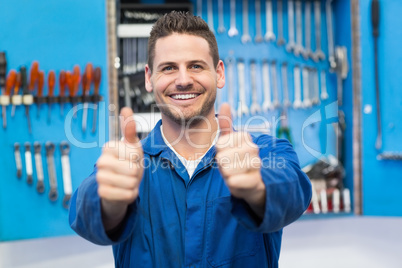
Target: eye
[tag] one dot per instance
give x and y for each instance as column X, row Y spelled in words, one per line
column 167, row 68
column 196, row 67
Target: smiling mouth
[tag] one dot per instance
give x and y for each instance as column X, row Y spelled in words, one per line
column 182, row 96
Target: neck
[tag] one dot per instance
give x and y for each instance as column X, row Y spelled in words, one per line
column 193, row 141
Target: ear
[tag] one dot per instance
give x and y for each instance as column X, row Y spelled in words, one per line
column 148, row 84
column 220, row 72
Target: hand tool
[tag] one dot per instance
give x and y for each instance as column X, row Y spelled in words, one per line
column 28, row 162
column 75, row 82
column 297, row 104
column 291, row 27
column 3, row 73
column 50, row 95
column 267, row 105
column 62, row 91
column 342, row 69
column 221, row 26
column 233, row 30
column 242, row 108
column 18, row 161
column 330, row 35
column 210, row 16
column 246, row 36
column 40, row 186
column 53, row 194
column 258, row 31
column 199, row 8
column 229, row 64
column 346, row 200
column 314, row 202
column 283, row 129
column 128, row 93
column 17, row 86
column 285, row 88
column 96, row 96
column 27, row 98
column 324, row 93
column 281, row 41
column 39, row 96
column 318, row 54
column 142, row 50
column 276, row 102
column 375, row 21
column 336, row 201
column 33, row 80
column 306, row 88
column 86, row 87
column 315, row 100
column 269, row 35
column 5, row 97
column 299, row 29
column 255, row 106
column 324, row 201
column 65, row 165
column 307, row 53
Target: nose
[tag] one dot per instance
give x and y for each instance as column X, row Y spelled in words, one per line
column 184, row 79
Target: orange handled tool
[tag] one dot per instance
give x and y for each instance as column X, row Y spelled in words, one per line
column 39, row 95
column 62, row 88
column 86, row 87
column 51, row 82
column 33, row 76
column 75, row 83
column 97, row 80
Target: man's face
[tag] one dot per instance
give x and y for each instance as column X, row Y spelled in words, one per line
column 184, row 78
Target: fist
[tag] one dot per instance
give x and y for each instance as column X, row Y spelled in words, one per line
column 120, row 166
column 239, row 162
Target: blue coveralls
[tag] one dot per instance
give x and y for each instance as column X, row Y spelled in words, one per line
column 178, row 222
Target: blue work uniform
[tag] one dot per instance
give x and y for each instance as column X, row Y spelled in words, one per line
column 178, row 221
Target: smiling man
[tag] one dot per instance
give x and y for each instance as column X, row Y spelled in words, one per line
column 194, row 193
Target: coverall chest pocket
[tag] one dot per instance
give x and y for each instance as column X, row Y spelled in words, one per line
column 227, row 240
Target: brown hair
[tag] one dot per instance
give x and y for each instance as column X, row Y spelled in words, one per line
column 182, row 23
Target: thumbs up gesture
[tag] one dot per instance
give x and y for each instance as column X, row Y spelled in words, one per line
column 120, row 172
column 239, row 163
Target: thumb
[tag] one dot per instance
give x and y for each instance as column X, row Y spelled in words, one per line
column 225, row 119
column 127, row 123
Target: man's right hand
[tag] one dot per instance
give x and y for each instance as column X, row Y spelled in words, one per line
column 120, row 172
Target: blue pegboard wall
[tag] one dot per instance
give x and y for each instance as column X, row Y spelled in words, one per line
column 382, row 179
column 59, row 35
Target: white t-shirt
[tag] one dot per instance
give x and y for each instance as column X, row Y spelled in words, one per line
column 190, row 165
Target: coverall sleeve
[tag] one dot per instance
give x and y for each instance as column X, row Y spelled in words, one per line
column 85, row 216
column 288, row 189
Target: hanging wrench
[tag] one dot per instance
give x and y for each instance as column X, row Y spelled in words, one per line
column 267, row 105
column 210, row 16
column 246, row 36
column 318, row 54
column 269, row 35
column 229, row 65
column 330, row 35
column 255, row 106
column 324, row 93
column 18, row 162
column 274, row 85
column 299, row 29
column 40, row 186
column 65, row 165
column 28, row 162
column 53, row 194
column 306, row 88
column 221, row 26
column 284, row 75
column 297, row 104
column 233, row 30
column 342, row 69
column 291, row 27
column 307, row 32
column 242, row 107
column 316, row 94
column 281, row 41
column 258, row 36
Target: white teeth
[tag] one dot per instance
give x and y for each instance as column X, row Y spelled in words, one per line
column 184, row 96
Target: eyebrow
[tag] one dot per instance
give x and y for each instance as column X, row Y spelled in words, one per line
column 167, row 63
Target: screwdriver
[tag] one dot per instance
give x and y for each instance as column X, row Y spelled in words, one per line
column 97, row 80
column 27, row 98
column 16, row 91
column 62, row 87
column 86, row 87
column 40, row 98
column 3, row 72
column 75, row 82
column 10, row 82
column 33, row 75
column 51, row 81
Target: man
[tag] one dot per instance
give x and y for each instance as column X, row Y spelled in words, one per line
column 194, row 193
